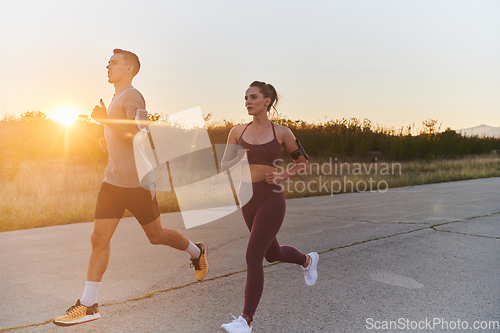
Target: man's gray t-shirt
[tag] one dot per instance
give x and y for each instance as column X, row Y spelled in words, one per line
column 121, row 170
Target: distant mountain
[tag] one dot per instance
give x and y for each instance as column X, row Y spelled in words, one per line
column 481, row 131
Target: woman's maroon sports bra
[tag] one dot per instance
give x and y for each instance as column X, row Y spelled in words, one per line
column 263, row 154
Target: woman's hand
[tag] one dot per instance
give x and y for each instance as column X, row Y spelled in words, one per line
column 240, row 153
column 103, row 145
column 273, row 177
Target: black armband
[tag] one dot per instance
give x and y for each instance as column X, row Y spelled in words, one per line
column 299, row 152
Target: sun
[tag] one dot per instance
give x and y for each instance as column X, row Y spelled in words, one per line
column 67, row 115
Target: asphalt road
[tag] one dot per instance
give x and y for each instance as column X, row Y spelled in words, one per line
column 424, row 257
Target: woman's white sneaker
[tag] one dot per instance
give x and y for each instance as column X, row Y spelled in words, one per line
column 239, row 325
column 311, row 271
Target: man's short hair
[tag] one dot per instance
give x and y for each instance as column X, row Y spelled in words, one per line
column 130, row 59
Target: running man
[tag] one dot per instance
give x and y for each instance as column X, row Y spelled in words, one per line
column 263, row 141
column 121, row 189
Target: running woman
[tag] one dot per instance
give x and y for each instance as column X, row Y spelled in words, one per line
column 263, row 141
column 121, row 189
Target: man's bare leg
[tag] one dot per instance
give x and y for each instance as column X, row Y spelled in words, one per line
column 100, row 240
column 161, row 236
column 158, row 235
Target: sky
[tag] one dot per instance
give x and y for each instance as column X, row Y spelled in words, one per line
column 394, row 62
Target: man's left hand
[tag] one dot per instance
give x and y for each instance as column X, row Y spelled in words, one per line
column 99, row 113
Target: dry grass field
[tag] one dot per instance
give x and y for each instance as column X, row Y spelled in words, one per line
column 54, row 192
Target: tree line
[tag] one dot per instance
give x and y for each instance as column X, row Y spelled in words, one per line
column 34, row 136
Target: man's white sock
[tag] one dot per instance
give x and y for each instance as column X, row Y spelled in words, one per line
column 89, row 297
column 193, row 250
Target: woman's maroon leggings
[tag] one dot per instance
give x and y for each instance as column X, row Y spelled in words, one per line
column 264, row 215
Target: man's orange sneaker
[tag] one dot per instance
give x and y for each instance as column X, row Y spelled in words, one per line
column 201, row 264
column 78, row 314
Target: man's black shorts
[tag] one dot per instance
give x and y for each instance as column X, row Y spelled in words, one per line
column 113, row 200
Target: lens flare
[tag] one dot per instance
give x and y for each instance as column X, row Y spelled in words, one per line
column 67, row 115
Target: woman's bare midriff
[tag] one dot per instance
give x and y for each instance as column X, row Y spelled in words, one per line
column 257, row 172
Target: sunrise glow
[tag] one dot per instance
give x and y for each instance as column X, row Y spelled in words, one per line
column 67, row 115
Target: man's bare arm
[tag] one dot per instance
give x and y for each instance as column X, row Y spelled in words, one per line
column 126, row 127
